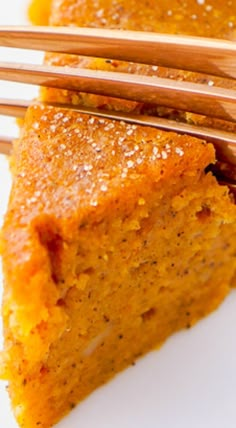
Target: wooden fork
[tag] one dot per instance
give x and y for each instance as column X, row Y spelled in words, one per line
column 211, row 56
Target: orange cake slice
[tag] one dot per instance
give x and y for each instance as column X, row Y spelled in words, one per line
column 115, row 237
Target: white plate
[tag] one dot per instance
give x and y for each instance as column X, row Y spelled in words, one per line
column 189, row 383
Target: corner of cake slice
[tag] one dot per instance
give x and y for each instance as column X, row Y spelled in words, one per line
column 115, row 237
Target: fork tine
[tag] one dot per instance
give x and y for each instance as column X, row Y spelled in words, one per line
column 15, row 108
column 224, row 142
column 217, row 57
column 197, row 98
column 5, row 145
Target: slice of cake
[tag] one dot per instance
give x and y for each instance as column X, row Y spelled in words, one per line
column 115, row 237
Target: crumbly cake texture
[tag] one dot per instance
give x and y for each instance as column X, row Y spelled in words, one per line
column 115, row 235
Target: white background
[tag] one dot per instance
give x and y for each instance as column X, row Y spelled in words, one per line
column 189, row 383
